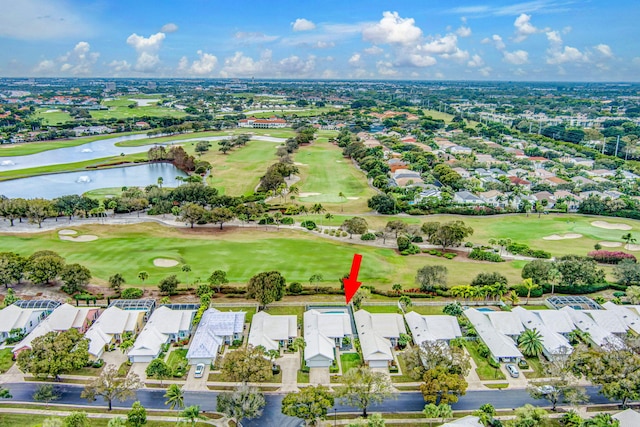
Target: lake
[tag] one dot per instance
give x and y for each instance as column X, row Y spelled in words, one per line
column 61, row 184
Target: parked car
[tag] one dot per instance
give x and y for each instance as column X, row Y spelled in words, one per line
column 199, row 370
column 513, row 370
column 546, row 389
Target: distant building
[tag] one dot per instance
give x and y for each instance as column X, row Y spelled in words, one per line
column 270, row 123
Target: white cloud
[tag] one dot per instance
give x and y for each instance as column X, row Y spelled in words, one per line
column 476, row 61
column 240, row 65
column 329, row 74
column 41, row 20
column 463, row 31
column 517, row 57
column 440, row 45
column 147, row 48
column 302, row 24
column 417, row 60
column 558, row 56
column 355, row 60
column 373, row 50
column 386, row 69
column 524, row 27
column 169, row 27
column 77, row 62
column 458, row 55
column 202, row 66
column 295, row 66
column 554, row 37
column 496, row 40
column 119, row 66
column 324, row 45
column 604, row 50
column 254, row 37
column 45, row 67
column 392, row 29
column 486, row 71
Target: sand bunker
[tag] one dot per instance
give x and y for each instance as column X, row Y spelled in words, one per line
column 84, row 238
column 339, row 161
column 309, row 194
column 565, row 236
column 67, row 232
column 611, row 226
column 353, row 198
column 164, row 262
column 299, row 164
column 632, row 247
column 610, row 244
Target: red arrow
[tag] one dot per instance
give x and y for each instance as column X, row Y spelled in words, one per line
column 351, row 283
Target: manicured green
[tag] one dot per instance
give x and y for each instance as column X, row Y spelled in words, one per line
column 250, row 310
column 349, row 360
column 52, row 116
column 177, row 357
column 484, row 370
column 6, row 361
column 119, row 109
column 297, row 311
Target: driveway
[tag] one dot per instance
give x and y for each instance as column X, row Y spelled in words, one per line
column 116, row 357
column 139, row 369
column 197, row 384
column 289, row 365
column 520, row 382
column 319, row 376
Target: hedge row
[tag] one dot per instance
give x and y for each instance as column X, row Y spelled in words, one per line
column 481, row 255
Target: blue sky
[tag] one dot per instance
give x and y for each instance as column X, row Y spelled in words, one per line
column 539, row 40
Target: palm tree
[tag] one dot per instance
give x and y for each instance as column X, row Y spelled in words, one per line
column 629, row 239
column 317, row 208
column 143, row 275
column 342, row 196
column 186, row 269
column 529, row 286
column 530, row 342
column 293, row 192
column 160, row 181
column 514, row 298
column 175, row 397
column 192, row 414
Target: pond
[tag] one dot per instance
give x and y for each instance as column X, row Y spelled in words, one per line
column 61, row 184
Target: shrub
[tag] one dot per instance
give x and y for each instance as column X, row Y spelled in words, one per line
column 287, row 220
column 403, row 243
column 611, row 257
column 483, row 350
column 368, row 236
column 266, row 221
column 524, row 250
column 131, row 293
column 522, row 291
column 468, row 245
column 412, row 249
column 619, row 294
column 295, row 288
column 481, row 255
column 450, row 255
column 98, row 363
column 309, row 225
column 493, row 363
column 344, row 234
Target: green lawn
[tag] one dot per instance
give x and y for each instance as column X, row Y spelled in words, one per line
column 250, row 310
column 119, row 109
column 404, row 378
column 177, row 357
column 6, row 359
column 325, row 171
column 52, row 116
column 349, row 360
column 30, row 420
column 303, row 377
column 298, row 311
column 484, row 370
column 536, row 366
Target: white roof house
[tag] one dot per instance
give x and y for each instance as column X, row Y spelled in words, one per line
column 272, row 332
column 216, row 329
column 597, row 333
column 557, row 320
column 23, row 318
column 629, row 317
column 506, row 322
column 63, row 318
column 110, row 327
column 322, row 332
column 628, row 418
column 609, row 321
column 165, row 325
column 432, row 328
column 378, row 333
column 555, row 344
column 501, row 346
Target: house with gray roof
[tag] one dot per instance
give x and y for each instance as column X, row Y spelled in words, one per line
column 502, row 348
column 216, row 329
column 378, row 334
column 441, row 328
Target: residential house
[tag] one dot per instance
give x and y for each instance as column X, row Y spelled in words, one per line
column 324, row 330
column 121, row 318
column 485, row 158
column 630, row 317
column 520, row 182
column 405, row 177
column 216, row 329
column 378, row 334
column 554, row 344
column 467, row 198
column 573, row 202
column 458, row 149
column 628, row 418
column 494, row 198
column 21, row 317
column 502, row 348
column 462, row 172
column 545, row 198
column 441, row 328
column 63, row 318
column 167, row 324
column 601, row 173
column 596, row 333
column 581, row 180
column 269, row 123
column 272, row 332
column 554, row 181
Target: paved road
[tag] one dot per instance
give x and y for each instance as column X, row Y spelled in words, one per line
column 272, row 416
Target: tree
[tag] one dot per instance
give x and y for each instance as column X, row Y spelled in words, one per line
column 530, row 342
column 355, row 225
column 537, row 270
column 359, row 297
column 174, row 396
column 55, row 353
column 192, row 213
column 266, row 287
column 578, row 271
column 75, row 278
column 310, row 404
column 529, row 286
column 44, row 269
column 432, row 354
column 186, row 268
column 442, row 386
column 451, row 234
column 363, row 387
column 530, row 416
column 114, row 422
column 169, row 285
column 627, row 272
column 601, row 420
column 38, row 210
column 77, row 419
column 431, row 276
column 46, row 393
column 629, row 239
column 10, row 297
column 571, row 419
column 192, row 414
column 315, row 278
column 116, row 281
column 405, row 302
column 384, row 204
column 633, row 294
column 246, row 365
column 488, row 279
column 453, row 309
column 244, row 402
column 159, row 369
column 109, row 385
column 485, row 414
column 221, row 215
column 12, row 267
column 429, row 229
column 442, row 411
column 137, row 415
column 143, row 276
column 218, row 278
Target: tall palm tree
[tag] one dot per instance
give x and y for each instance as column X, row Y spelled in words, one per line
column 342, row 196
column 192, row 414
column 529, row 286
column 530, row 342
column 293, row 192
column 629, row 239
column 175, row 397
